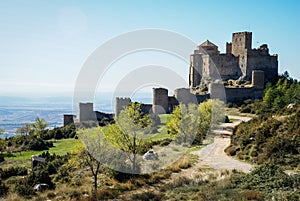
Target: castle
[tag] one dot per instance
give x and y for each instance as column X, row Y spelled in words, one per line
column 237, row 63
column 238, row 74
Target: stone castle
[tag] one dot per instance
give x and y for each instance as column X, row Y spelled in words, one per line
column 237, row 63
column 238, row 74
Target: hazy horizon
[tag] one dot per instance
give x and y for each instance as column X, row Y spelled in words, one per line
column 44, row 44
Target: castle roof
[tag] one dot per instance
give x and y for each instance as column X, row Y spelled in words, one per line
column 207, row 43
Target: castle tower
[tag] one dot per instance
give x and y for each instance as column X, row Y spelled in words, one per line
column 240, row 42
column 121, row 103
column 69, row 119
column 86, row 112
column 209, row 48
column 160, row 101
column 258, row 79
column 196, row 69
column 228, row 48
column 184, row 95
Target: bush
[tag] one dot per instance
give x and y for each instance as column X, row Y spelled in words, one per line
column 1, row 158
column 227, row 119
column 3, row 189
column 22, row 188
column 252, row 195
column 265, row 178
column 37, row 144
column 146, row 196
column 38, row 177
column 12, row 171
column 231, row 151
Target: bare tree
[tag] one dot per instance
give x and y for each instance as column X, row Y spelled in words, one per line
column 95, row 154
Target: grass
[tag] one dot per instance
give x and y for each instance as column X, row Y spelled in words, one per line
column 61, row 147
column 164, row 118
column 193, row 148
column 160, row 136
column 236, row 112
column 233, row 120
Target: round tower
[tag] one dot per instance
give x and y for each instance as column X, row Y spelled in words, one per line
column 160, row 101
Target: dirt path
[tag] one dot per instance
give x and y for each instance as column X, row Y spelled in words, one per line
column 210, row 156
column 213, row 155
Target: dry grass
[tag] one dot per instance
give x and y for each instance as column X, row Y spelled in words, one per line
column 13, row 197
column 252, row 195
column 183, row 163
column 157, row 176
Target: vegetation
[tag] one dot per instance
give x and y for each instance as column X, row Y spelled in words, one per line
column 188, row 119
column 60, row 147
column 129, row 132
column 276, row 97
column 94, row 155
column 266, row 182
column 274, row 135
column 81, row 170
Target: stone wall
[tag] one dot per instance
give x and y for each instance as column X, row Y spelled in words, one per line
column 227, row 65
column 121, row 103
column 86, row 112
column 184, row 95
column 217, row 91
column 146, row 108
column 238, row 94
column 202, row 97
column 258, row 79
column 267, row 63
column 173, row 102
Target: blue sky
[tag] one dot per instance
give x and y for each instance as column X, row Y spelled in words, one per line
column 43, row 44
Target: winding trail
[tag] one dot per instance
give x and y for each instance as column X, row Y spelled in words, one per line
column 214, row 156
column 210, row 156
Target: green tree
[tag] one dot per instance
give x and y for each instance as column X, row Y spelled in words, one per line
column 3, row 145
column 269, row 96
column 128, row 134
column 173, row 123
column 24, row 130
column 194, row 121
column 189, row 123
column 39, row 126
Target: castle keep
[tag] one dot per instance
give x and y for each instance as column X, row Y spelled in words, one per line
column 238, row 74
column 237, row 63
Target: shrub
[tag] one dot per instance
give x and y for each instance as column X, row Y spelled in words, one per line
column 252, row 195
column 1, row 158
column 3, row 189
column 231, row 150
column 38, row 144
column 12, row 171
column 146, row 196
column 39, row 176
column 22, row 188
